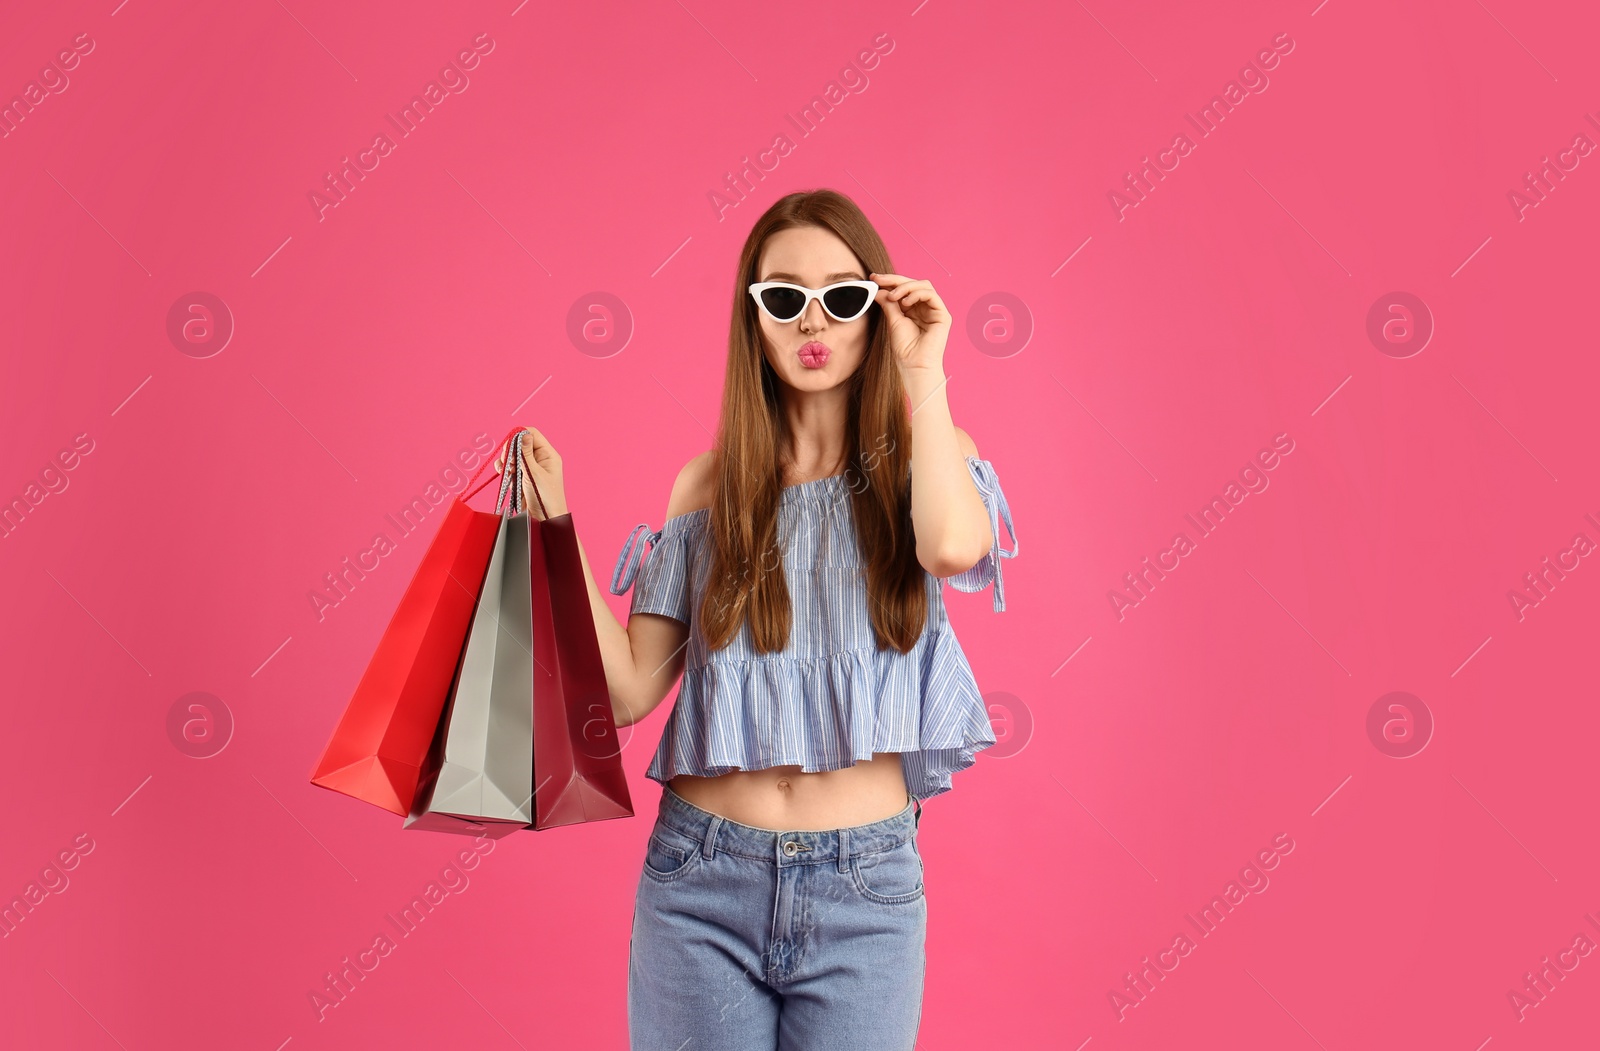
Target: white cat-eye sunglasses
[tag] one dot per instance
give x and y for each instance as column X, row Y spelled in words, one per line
column 843, row 300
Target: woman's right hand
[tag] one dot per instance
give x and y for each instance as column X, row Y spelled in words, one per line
column 541, row 470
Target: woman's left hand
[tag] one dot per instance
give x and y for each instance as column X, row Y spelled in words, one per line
column 919, row 324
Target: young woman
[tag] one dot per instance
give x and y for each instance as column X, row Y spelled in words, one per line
column 795, row 584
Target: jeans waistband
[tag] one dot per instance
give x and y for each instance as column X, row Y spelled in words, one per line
column 800, row 847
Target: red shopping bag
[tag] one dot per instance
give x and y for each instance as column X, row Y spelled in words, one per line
column 577, row 761
column 381, row 743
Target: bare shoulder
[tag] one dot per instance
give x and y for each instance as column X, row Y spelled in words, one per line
column 964, row 440
column 694, row 485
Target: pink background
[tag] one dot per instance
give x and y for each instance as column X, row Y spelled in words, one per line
column 1118, row 369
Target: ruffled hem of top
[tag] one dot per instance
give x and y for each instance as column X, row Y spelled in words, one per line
column 826, row 713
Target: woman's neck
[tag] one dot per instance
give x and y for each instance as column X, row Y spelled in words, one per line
column 813, row 444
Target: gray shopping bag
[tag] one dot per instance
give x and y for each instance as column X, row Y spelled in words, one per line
column 480, row 769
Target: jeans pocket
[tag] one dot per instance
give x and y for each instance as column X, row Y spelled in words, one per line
column 889, row 877
column 669, row 854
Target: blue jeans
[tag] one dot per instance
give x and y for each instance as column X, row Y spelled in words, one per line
column 746, row 939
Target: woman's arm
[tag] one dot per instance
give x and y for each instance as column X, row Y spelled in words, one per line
column 947, row 511
column 644, row 659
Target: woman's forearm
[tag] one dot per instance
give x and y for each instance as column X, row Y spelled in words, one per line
column 947, row 512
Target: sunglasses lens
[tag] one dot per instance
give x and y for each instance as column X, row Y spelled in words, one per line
column 848, row 302
column 783, row 303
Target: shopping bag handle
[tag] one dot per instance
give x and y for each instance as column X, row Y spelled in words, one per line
column 467, row 495
column 512, row 437
column 511, row 479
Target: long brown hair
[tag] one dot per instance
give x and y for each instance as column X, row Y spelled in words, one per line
column 746, row 578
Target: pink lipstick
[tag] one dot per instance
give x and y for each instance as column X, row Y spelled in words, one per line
column 814, row 355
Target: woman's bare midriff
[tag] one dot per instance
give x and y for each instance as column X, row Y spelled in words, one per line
column 782, row 799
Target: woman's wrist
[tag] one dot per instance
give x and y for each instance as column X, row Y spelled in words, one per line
column 920, row 383
column 547, row 506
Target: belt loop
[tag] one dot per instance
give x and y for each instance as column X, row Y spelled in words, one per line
column 844, row 850
column 709, row 847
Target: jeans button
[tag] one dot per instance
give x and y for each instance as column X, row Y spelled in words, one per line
column 790, row 847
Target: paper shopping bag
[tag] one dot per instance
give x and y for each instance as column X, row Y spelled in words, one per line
column 480, row 772
column 577, row 762
column 381, row 744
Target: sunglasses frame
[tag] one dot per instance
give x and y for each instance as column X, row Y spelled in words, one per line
column 813, row 293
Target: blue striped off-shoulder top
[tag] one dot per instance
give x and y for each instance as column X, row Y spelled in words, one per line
column 830, row 697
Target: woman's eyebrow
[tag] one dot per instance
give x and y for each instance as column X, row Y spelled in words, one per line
column 845, row 275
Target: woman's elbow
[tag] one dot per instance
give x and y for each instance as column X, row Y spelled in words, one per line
column 621, row 712
column 950, row 561
column 637, row 701
column 628, row 709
